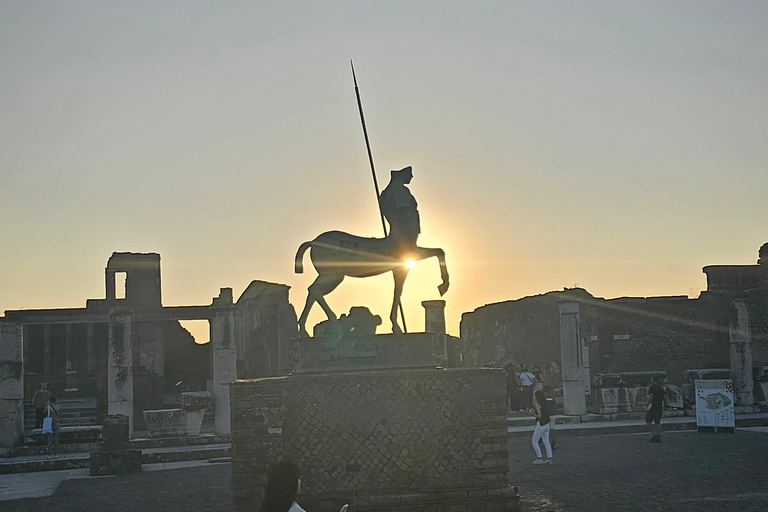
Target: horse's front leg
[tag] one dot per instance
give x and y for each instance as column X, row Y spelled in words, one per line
column 427, row 252
column 400, row 274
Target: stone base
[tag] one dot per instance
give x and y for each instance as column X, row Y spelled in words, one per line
column 115, row 462
column 166, row 422
column 372, row 352
column 405, row 440
column 489, row 499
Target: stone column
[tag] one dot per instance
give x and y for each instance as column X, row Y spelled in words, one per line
column 47, row 366
column 434, row 316
column 11, row 384
column 71, row 373
column 741, row 354
column 574, row 401
column 224, row 357
column 120, row 364
column 93, row 362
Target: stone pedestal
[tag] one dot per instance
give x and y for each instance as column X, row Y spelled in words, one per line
column 166, row 423
column 741, row 354
column 376, row 351
column 194, row 405
column 11, row 384
column 224, row 357
column 402, row 440
column 115, row 455
column 574, row 400
column 434, row 316
column 120, row 364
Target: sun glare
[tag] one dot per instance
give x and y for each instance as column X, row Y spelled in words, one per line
column 410, row 263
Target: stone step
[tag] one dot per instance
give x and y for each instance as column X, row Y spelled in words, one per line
column 187, row 453
column 43, row 463
column 167, row 442
column 31, row 463
column 67, row 435
column 37, row 450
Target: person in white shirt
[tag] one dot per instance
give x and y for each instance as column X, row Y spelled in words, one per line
column 526, row 381
column 283, row 484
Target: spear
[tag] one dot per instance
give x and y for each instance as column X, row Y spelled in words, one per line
column 373, row 173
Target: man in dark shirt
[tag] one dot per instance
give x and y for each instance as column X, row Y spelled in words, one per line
column 655, row 407
column 40, row 400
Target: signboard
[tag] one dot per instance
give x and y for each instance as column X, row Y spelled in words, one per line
column 714, row 404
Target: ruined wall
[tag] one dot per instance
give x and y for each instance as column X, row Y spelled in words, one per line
column 185, row 361
column 672, row 334
column 521, row 331
column 265, row 325
column 403, row 431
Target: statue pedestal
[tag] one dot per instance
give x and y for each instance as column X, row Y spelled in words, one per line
column 370, row 352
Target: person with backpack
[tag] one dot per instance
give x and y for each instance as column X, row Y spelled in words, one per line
column 53, row 427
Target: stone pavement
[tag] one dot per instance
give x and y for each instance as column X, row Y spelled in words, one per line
column 521, row 425
column 688, row 472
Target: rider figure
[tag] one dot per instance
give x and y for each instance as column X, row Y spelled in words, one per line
column 401, row 209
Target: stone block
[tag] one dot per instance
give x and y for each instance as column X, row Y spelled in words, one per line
column 607, row 380
column 607, row 400
column 641, row 379
column 166, row 423
column 625, row 400
column 761, row 391
column 115, row 432
column 195, row 400
column 760, row 373
column 688, row 392
column 674, row 398
column 115, row 462
column 194, row 405
column 707, row 373
column 639, row 398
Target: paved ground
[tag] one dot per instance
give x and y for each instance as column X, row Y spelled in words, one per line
column 179, row 490
column 688, row 472
column 607, row 473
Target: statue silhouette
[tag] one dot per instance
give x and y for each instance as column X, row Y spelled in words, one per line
column 336, row 254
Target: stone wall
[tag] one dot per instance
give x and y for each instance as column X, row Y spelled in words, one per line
column 672, row 334
column 383, row 436
column 265, row 324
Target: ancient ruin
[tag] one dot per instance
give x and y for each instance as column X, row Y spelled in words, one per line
column 127, row 353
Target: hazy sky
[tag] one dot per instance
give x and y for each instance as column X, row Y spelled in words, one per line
column 620, row 146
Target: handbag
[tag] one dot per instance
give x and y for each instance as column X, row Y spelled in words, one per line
column 48, row 423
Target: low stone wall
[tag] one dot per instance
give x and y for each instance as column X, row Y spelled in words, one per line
column 379, row 440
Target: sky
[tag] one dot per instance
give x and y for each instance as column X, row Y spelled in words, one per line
column 613, row 145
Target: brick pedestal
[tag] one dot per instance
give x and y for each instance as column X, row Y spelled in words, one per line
column 398, row 439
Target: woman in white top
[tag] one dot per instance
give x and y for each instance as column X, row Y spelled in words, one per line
column 283, row 484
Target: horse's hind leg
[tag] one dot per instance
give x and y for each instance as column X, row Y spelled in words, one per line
column 323, row 285
column 400, row 274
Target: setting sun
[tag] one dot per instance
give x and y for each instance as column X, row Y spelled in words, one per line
column 410, row 263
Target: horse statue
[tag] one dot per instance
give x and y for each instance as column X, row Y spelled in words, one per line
column 336, row 255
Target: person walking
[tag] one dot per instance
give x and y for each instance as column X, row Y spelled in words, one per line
column 511, row 386
column 541, row 411
column 53, row 410
column 40, row 401
column 655, row 408
column 283, row 485
column 526, row 381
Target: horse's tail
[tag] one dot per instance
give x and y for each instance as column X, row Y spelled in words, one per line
column 300, row 256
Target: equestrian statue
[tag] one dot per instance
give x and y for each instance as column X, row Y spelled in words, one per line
column 336, row 254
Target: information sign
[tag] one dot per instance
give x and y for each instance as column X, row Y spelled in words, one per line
column 714, row 404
